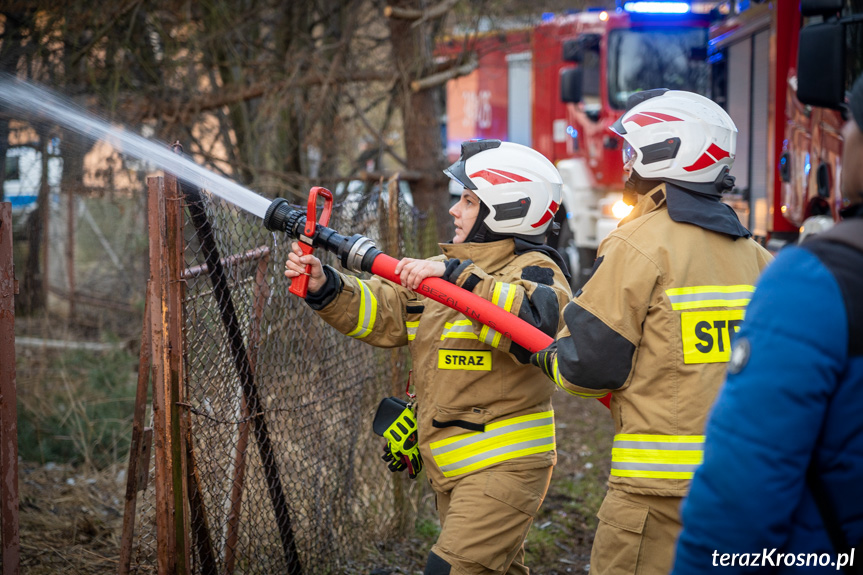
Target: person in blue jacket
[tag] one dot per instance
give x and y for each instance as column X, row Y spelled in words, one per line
column 781, row 486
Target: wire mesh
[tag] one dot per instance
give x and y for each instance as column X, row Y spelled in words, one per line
column 317, row 392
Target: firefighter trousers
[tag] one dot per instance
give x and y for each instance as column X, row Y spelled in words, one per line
column 636, row 534
column 485, row 519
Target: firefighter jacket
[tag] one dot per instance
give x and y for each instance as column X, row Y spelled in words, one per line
column 480, row 402
column 785, row 438
column 653, row 326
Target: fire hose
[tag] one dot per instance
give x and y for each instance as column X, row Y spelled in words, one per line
column 358, row 253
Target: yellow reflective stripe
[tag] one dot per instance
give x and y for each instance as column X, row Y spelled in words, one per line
column 411, row 327
column 659, row 456
column 710, row 296
column 501, row 441
column 656, row 456
column 503, row 295
column 558, row 380
column 489, row 336
column 653, row 474
column 492, row 427
column 368, row 312
column 461, row 329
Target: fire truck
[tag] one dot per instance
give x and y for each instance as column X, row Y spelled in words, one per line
column 788, row 152
column 560, row 84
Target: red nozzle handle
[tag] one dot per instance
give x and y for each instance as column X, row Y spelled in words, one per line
column 300, row 284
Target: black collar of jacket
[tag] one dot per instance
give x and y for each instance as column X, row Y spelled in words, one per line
column 703, row 210
column 524, row 246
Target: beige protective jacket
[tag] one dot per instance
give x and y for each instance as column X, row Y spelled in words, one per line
column 653, row 325
column 478, row 405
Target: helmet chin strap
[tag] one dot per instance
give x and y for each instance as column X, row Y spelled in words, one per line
column 480, row 232
column 724, row 182
column 638, row 185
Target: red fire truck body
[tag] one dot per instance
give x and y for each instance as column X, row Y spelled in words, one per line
column 788, row 154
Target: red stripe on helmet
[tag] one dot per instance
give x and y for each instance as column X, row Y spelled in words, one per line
column 717, row 152
column 701, row 163
column 549, row 213
column 545, row 217
column 648, row 118
column 663, row 117
column 495, row 177
column 643, row 120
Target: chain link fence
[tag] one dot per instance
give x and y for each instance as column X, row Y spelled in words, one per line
column 316, row 391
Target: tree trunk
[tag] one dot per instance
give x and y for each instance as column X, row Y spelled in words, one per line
column 421, row 115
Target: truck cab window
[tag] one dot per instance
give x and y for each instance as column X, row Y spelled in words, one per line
column 13, row 170
column 647, row 59
column 592, row 102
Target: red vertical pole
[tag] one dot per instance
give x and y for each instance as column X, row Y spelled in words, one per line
column 8, row 409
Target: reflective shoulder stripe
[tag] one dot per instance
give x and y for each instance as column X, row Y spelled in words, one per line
column 368, row 312
column 411, row 327
column 710, row 296
column 656, row 456
column 461, row 329
column 501, row 441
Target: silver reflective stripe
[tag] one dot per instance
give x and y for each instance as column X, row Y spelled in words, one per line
column 411, row 327
column 489, row 336
column 683, row 298
column 501, row 295
column 497, row 452
column 471, row 439
column 654, row 466
column 709, row 296
column 620, row 444
column 461, row 329
column 501, row 441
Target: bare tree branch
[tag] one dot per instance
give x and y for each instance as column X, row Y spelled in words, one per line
column 443, row 77
column 435, row 11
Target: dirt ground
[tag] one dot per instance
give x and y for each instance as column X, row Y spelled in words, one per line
column 71, row 520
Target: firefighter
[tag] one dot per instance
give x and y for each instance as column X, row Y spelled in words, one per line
column 653, row 324
column 484, row 414
column 785, row 443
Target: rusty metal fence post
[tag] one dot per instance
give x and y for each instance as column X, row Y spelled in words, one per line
column 166, row 325
column 8, row 409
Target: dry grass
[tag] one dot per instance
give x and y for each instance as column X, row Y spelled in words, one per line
column 70, row 521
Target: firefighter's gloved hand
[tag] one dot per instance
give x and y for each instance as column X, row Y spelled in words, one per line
column 399, row 460
column 396, row 422
column 394, row 464
column 545, row 360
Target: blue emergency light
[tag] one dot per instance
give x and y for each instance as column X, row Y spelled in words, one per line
column 657, row 7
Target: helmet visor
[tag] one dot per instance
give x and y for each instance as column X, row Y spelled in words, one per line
column 630, row 154
column 457, row 173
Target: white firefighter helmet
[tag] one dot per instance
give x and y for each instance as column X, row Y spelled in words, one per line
column 676, row 135
column 519, row 187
